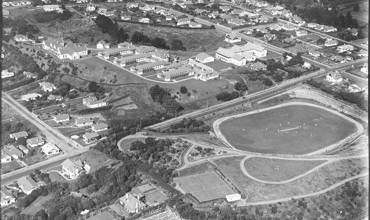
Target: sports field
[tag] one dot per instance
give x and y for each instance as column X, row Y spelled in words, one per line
column 292, row 129
column 204, row 186
column 277, row 169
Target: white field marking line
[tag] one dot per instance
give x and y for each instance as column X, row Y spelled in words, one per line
column 151, row 80
column 305, row 195
column 327, row 162
column 217, row 123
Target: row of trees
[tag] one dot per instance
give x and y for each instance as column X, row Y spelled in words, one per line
column 120, row 35
column 52, row 16
column 188, row 125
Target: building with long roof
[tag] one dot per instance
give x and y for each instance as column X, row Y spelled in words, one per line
column 239, row 55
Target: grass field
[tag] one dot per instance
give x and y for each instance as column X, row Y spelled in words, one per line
column 204, row 186
column 296, row 129
column 193, row 40
column 313, row 182
column 277, row 169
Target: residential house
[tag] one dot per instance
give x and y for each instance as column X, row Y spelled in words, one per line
column 52, row 97
column 182, row 20
column 65, row 50
column 126, row 60
column 307, row 65
column 49, row 8
column 61, row 118
column 30, row 96
column 256, row 66
column 225, row 8
column 240, row 54
column 236, row 21
column 72, row 168
column 364, row 68
column 93, row 102
column 82, row 122
column 90, row 8
column 353, row 88
column 50, row 149
column 125, row 17
column 144, row 20
column 131, row 204
column 27, row 184
column 6, row 74
column 17, row 135
column 147, row 7
column 102, row 44
column 328, row 29
column 6, row 198
column 204, row 58
column 338, row 59
column 329, row 42
column 194, row 25
column 132, row 5
column 345, row 48
column 21, row 38
column 90, row 137
column 30, row 75
column 24, row 149
column 300, row 33
column 314, row 53
column 35, row 141
column 289, row 27
column 5, row 158
column 100, row 126
column 233, row 38
column 47, row 86
column 269, row 37
column 334, row 77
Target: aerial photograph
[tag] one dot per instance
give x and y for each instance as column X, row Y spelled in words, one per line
column 184, row 110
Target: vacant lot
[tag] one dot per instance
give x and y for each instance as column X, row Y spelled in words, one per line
column 318, row 180
column 294, row 129
column 205, row 186
column 277, row 169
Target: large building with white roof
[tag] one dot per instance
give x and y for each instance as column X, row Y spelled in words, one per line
column 239, row 55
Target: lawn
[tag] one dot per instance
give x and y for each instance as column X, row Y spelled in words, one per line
column 11, row 166
column 204, row 186
column 277, row 169
column 37, row 205
column 294, row 129
column 313, row 182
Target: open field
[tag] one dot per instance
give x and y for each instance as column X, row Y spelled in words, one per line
column 205, row 186
column 318, row 180
column 278, row 169
column 193, row 40
column 294, row 129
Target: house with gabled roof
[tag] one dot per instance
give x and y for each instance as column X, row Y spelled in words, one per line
column 72, row 168
column 17, row 135
column 27, row 184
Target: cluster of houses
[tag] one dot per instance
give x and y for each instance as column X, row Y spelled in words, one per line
column 71, row 169
column 11, row 152
column 335, row 78
column 15, row 3
column 64, row 50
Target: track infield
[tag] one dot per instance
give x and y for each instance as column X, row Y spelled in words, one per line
column 290, row 129
column 276, row 170
column 204, row 186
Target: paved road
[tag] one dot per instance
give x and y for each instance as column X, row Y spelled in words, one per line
column 272, row 90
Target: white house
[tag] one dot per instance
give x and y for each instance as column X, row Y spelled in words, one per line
column 194, row 25
column 100, row 126
column 202, row 71
column 131, row 204
column 204, row 58
column 27, row 184
column 90, row 137
column 102, row 44
column 239, row 55
column 21, row 38
column 61, row 118
column 182, row 20
column 72, row 168
column 49, row 8
column 353, row 88
column 93, row 102
column 5, row 158
column 47, row 86
column 300, row 33
column 144, row 20
column 364, row 68
column 345, row 48
column 50, row 149
column 232, row 38
column 90, row 8
column 12, row 151
column 82, row 122
column 329, row 42
column 17, row 135
column 6, row 198
column 35, row 141
column 6, row 74
column 334, row 77
column 233, row 197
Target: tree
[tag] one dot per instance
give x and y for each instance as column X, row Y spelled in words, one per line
column 356, row 8
column 241, row 86
column 177, row 45
column 159, row 43
column 183, row 90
